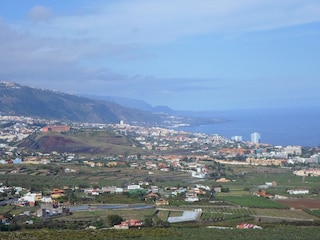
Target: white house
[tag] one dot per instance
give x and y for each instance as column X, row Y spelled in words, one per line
column 132, row 187
column 191, row 197
column 298, row 191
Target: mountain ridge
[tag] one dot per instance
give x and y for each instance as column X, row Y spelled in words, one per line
column 16, row 99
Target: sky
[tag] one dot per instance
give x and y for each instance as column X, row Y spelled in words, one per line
column 184, row 54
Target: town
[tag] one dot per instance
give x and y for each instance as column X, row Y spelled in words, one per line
column 172, row 144
column 173, row 169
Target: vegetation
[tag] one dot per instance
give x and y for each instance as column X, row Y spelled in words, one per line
column 184, row 233
column 314, row 212
column 252, row 201
column 225, row 209
column 114, row 219
column 98, row 142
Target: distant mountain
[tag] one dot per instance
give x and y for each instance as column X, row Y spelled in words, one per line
column 182, row 117
column 133, row 103
column 142, row 105
column 127, row 102
column 16, row 99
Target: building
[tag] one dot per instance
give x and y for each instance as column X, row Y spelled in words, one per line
column 191, row 197
column 248, row 226
column 293, row 150
column 236, row 138
column 187, row 216
column 58, row 129
column 313, row 172
column 255, row 137
column 297, row 191
column 57, row 193
column 161, row 202
column 129, row 223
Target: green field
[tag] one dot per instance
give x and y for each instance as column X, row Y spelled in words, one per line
column 252, row 201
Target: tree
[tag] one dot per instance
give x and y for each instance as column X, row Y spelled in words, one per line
column 148, row 221
column 225, row 189
column 114, row 219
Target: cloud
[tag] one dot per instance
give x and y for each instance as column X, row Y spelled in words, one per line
column 145, row 21
column 90, row 50
column 61, row 64
column 25, row 56
column 40, row 13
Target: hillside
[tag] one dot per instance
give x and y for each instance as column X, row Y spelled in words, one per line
column 86, row 142
column 26, row 101
column 21, row 100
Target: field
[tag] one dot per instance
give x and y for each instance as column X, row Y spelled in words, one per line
column 225, row 209
column 183, row 233
column 46, row 177
column 301, row 203
column 252, row 201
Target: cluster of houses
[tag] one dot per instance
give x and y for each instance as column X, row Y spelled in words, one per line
column 263, row 193
column 155, row 194
column 29, row 199
column 164, row 139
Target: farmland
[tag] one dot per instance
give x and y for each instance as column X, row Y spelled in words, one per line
column 225, row 209
column 183, row 233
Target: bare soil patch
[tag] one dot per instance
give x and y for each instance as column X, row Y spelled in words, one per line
column 301, row 203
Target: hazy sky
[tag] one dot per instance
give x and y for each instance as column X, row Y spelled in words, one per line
column 186, row 54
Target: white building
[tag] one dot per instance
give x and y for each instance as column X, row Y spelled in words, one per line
column 295, row 150
column 255, row 137
column 133, row 187
column 298, row 191
column 236, row 138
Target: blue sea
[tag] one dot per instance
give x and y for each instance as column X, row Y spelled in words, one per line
column 281, row 126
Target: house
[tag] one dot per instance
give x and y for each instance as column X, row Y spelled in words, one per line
column 29, row 199
column 152, row 195
column 263, row 193
column 133, row 187
column 95, row 192
column 129, row 223
column 191, row 197
column 92, row 191
column 57, row 193
column 298, row 191
column 111, row 189
column 223, row 180
column 271, row 184
column 161, row 202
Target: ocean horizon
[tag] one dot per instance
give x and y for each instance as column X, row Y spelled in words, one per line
column 281, row 126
